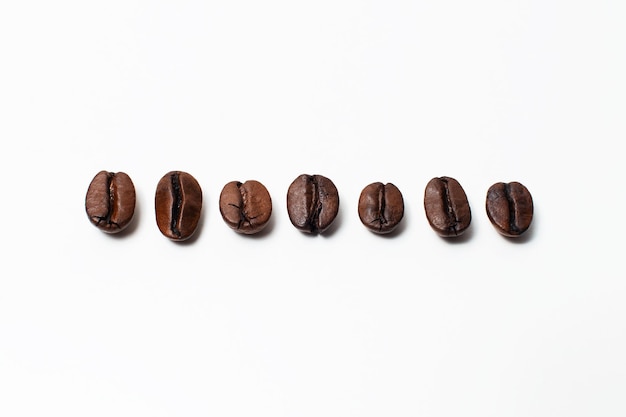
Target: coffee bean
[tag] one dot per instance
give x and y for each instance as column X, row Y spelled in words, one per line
column 245, row 207
column 178, row 205
column 446, row 206
column 110, row 201
column 509, row 208
column 381, row 207
column 312, row 203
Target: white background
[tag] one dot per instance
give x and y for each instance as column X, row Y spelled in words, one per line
column 283, row 324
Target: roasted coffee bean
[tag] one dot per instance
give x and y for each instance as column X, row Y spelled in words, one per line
column 110, row 201
column 447, row 208
column 178, row 205
column 381, row 207
column 312, row 203
column 245, row 207
column 509, row 208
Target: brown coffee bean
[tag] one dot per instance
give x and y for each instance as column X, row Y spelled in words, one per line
column 312, row 203
column 381, row 207
column 245, row 207
column 110, row 201
column 446, row 206
column 509, row 208
column 178, row 205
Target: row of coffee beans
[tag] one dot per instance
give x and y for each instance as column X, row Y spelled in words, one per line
column 312, row 205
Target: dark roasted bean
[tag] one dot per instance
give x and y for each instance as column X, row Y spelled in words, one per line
column 178, row 205
column 381, row 207
column 245, row 207
column 110, row 201
column 509, row 208
column 446, row 206
column 312, row 203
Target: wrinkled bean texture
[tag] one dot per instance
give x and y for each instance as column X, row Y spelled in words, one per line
column 312, row 203
column 110, row 201
column 178, row 205
column 245, row 207
column 510, row 208
column 381, row 207
column 447, row 208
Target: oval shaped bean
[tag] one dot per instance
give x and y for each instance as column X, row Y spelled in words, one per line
column 178, row 205
column 110, row 201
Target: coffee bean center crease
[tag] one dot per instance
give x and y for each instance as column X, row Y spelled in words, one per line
column 453, row 219
column 512, row 209
column 176, row 204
